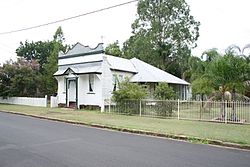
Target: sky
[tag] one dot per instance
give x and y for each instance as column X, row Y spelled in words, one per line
column 223, row 22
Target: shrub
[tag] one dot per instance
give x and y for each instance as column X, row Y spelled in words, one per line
column 163, row 91
column 129, row 91
column 126, row 94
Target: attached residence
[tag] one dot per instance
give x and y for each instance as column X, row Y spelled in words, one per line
column 86, row 76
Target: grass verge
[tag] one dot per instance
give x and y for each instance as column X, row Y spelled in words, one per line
column 193, row 131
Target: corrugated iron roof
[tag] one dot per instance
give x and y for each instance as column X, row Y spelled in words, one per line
column 121, row 64
column 80, row 69
column 149, row 73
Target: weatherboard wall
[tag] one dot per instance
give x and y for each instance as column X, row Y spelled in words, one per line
column 85, row 97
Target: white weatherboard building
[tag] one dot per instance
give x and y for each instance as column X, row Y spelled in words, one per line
column 86, row 76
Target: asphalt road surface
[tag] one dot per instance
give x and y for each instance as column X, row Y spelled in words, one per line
column 31, row 142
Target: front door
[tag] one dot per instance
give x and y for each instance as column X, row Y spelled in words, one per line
column 72, row 93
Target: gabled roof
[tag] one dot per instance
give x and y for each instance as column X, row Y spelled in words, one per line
column 149, row 73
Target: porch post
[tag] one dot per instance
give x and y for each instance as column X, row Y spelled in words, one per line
column 66, row 80
column 77, row 93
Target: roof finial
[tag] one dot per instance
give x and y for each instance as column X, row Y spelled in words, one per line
column 102, row 37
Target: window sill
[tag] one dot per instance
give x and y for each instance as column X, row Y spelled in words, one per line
column 90, row 93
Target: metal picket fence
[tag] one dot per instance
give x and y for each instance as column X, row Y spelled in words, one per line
column 217, row 111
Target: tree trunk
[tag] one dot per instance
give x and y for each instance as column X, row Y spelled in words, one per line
column 202, row 99
column 223, row 104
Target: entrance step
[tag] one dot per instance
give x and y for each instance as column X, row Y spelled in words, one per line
column 72, row 104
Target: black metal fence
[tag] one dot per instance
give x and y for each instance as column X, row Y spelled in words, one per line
column 218, row 111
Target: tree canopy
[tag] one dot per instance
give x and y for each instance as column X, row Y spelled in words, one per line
column 113, row 49
column 163, row 34
column 32, row 74
column 228, row 72
column 20, row 78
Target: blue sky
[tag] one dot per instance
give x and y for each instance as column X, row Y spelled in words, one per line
column 223, row 22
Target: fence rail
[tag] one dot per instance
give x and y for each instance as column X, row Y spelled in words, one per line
column 217, row 111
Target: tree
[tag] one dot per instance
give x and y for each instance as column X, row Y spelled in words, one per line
column 163, row 92
column 59, row 36
column 113, row 49
column 6, row 73
column 50, row 83
column 202, row 86
column 210, row 54
column 39, row 51
column 228, row 73
column 20, row 78
column 163, row 34
column 46, row 53
column 195, row 69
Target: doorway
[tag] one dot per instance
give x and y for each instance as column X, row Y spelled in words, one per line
column 71, row 95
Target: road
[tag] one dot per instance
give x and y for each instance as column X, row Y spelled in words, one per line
column 31, row 142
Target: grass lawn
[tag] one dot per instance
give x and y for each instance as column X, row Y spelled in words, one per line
column 218, row 131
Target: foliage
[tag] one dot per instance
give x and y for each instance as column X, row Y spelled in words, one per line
column 163, row 34
column 202, row 86
column 163, row 92
column 19, row 78
column 219, row 72
column 59, row 36
column 32, row 73
column 39, row 51
column 50, row 83
column 46, row 54
column 228, row 72
column 129, row 91
column 195, row 69
column 210, row 55
column 113, row 49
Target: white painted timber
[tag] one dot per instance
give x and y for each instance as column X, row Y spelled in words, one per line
column 29, row 101
column 53, row 101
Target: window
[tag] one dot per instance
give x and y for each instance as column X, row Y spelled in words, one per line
column 91, row 82
column 121, row 78
column 114, row 82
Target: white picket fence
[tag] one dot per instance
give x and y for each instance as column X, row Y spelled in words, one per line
column 29, row 101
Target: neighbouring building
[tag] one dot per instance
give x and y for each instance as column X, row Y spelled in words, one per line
column 86, row 76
